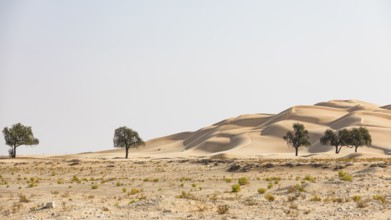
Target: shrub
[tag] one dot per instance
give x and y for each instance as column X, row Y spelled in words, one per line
column 380, row 198
column 133, row 191
column 75, row 179
column 344, row 176
column 261, row 190
column 316, row 198
column 295, row 188
column 222, row 209
column 236, row 188
column 361, row 204
column 309, row 178
column 356, row 198
column 270, row 185
column 269, row 197
column 243, row 181
column 23, row 198
column 94, row 187
column 186, row 195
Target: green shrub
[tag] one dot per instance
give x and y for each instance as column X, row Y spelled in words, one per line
column 316, row 198
column 261, row 190
column 133, row 191
column 236, row 188
column 356, row 198
column 269, row 197
column 344, row 176
column 380, row 198
column 309, row 178
column 243, row 181
column 295, row 188
column 23, row 198
column 94, row 187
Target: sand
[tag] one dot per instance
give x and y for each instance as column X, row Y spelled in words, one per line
column 190, row 175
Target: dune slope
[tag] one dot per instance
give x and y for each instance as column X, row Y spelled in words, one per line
column 257, row 134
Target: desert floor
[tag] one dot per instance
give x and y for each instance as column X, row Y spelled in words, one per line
column 195, row 188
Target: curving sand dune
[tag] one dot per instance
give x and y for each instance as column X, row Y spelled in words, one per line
column 260, row 134
column 255, row 135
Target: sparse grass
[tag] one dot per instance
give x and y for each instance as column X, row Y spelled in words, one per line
column 380, row 198
column 310, row 178
column 243, row 181
column 222, row 209
column 236, row 188
column 133, row 191
column 315, row 198
column 356, row 198
column 345, row 176
column 75, row 179
column 186, row 195
column 269, row 197
column 362, row 204
column 23, row 198
column 261, row 190
column 295, row 188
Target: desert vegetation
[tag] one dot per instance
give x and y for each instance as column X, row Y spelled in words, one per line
column 200, row 188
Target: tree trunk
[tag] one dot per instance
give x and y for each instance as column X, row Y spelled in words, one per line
column 355, row 149
column 336, row 150
column 126, row 149
column 297, row 151
column 14, row 152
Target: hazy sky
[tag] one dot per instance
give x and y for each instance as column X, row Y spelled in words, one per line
column 76, row 70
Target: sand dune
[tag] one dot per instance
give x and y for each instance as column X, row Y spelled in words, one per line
column 254, row 135
column 257, row 134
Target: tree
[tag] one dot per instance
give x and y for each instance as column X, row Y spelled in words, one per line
column 360, row 137
column 127, row 138
column 337, row 139
column 18, row 135
column 299, row 137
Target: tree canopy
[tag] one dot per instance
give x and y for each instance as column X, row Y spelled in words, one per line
column 360, row 137
column 337, row 139
column 355, row 137
column 18, row 135
column 299, row 137
column 127, row 138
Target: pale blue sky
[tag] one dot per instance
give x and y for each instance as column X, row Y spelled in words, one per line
column 76, row 70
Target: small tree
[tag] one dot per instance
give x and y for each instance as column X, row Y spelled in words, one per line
column 337, row 139
column 299, row 137
column 127, row 138
column 359, row 137
column 18, row 135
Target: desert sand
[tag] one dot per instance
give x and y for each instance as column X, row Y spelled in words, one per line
column 190, row 175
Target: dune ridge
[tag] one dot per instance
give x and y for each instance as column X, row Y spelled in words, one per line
column 256, row 134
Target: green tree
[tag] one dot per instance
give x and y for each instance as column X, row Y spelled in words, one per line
column 360, row 137
column 299, row 137
column 337, row 139
column 18, row 135
column 127, row 138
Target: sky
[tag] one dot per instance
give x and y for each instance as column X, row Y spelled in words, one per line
column 76, row 70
